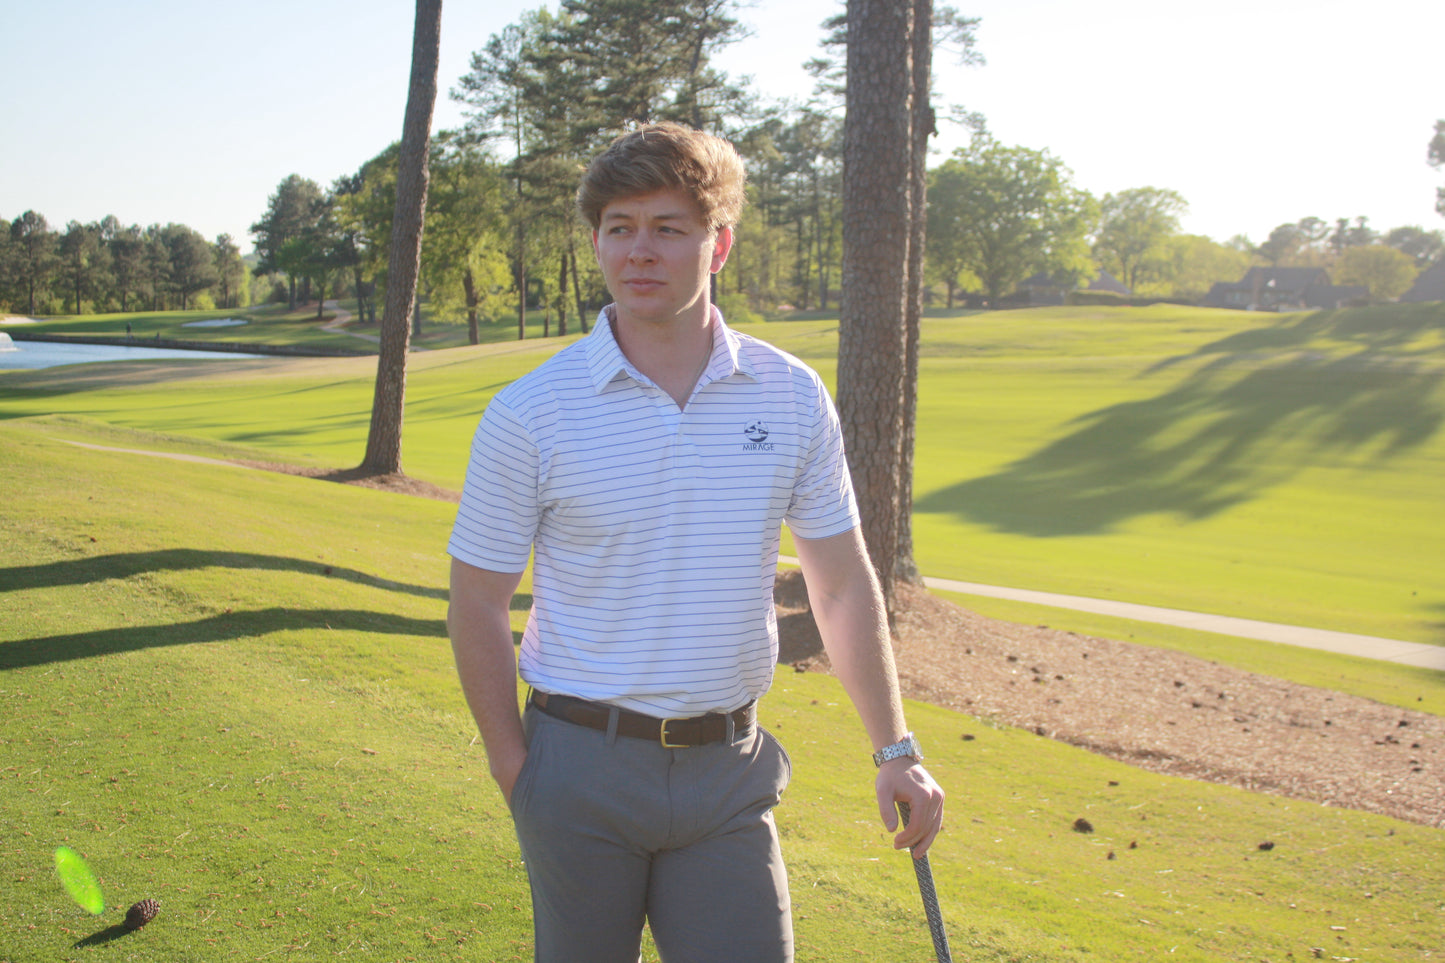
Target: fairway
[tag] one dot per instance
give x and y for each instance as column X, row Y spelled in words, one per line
column 231, row 691
column 1285, row 468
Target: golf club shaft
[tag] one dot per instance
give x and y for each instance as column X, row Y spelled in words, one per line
column 924, row 872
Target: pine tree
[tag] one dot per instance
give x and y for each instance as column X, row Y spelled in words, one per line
column 383, row 443
column 877, row 235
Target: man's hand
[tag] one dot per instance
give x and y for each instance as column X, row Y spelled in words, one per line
column 905, row 780
column 505, row 772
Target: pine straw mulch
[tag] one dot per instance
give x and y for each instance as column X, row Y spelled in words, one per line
column 1154, row 708
column 399, row 482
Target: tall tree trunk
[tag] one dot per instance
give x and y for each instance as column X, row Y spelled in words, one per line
column 360, row 293
column 576, row 283
column 383, row 443
column 521, row 276
column 877, row 139
column 922, row 120
column 469, row 284
column 562, row 295
column 817, row 244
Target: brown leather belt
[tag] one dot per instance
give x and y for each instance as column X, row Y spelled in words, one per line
column 682, row 733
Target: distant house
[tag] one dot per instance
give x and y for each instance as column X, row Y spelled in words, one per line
column 1107, row 282
column 1429, row 286
column 1284, row 289
column 1044, row 289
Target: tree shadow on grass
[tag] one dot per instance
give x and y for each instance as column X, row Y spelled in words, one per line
column 84, row 571
column 1210, row 441
column 1402, row 332
column 27, row 653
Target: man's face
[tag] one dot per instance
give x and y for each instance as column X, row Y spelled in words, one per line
column 657, row 255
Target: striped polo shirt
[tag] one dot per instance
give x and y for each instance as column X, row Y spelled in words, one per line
column 655, row 529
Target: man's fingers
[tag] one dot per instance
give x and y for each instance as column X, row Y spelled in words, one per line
column 923, row 824
column 921, row 830
column 910, row 786
column 887, row 811
column 926, row 832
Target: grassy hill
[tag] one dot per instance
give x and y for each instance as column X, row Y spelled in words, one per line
column 231, row 690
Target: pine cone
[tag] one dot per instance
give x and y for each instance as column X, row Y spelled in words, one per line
column 141, row 913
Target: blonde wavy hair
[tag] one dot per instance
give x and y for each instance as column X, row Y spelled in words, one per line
column 666, row 156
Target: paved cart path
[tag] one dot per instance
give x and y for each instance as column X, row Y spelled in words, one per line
column 1345, row 643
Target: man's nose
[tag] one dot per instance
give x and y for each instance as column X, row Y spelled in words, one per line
column 642, row 249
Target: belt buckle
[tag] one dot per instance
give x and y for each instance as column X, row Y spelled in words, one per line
column 662, row 736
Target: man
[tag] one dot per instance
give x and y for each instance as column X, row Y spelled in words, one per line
column 649, row 467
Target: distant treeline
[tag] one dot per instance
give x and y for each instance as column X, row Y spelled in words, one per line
column 106, row 266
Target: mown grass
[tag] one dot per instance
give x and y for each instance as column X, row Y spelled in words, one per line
column 1278, row 467
column 278, row 324
column 265, row 324
column 231, row 690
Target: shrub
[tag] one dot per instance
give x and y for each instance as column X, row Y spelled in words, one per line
column 737, row 310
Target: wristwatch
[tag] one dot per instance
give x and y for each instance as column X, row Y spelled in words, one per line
column 907, row 746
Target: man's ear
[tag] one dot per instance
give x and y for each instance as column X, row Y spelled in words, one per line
column 721, row 246
column 594, row 246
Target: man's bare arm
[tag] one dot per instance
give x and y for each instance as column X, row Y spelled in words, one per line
column 479, row 624
column 849, row 610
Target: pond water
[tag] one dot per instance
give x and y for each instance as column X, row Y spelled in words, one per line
column 30, row 355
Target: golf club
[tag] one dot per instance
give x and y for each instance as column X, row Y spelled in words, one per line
column 924, row 872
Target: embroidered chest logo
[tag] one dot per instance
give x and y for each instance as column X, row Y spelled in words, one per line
column 757, row 435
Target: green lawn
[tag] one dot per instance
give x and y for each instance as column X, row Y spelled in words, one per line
column 266, row 324
column 276, row 324
column 231, row 690
column 1283, row 467
column 1277, row 467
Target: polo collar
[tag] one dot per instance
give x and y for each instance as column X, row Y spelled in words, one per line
column 606, row 363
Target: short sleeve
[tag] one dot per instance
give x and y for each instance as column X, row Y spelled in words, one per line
column 498, row 515
column 823, row 504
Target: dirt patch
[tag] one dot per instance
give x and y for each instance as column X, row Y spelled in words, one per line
column 1154, row 708
column 399, row 483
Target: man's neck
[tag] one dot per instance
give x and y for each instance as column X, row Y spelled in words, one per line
column 673, row 355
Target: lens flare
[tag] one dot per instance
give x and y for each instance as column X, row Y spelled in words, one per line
column 79, row 881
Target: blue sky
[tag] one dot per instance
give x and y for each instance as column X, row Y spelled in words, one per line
column 1256, row 111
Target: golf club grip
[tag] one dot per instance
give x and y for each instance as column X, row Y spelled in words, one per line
column 924, row 871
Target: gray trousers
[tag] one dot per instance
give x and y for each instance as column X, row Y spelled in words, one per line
column 616, row 831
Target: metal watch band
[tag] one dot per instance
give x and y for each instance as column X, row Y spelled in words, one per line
column 907, row 746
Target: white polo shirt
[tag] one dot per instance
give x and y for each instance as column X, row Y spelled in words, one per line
column 655, row 528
